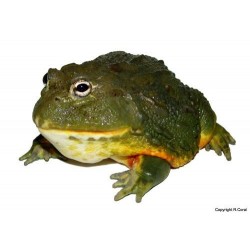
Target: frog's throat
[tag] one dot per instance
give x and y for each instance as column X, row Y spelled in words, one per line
column 83, row 146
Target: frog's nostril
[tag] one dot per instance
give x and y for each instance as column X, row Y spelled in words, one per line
column 57, row 99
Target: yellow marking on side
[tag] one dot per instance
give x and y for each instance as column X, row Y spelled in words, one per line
column 174, row 161
column 204, row 140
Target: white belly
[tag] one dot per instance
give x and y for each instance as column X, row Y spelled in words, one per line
column 84, row 147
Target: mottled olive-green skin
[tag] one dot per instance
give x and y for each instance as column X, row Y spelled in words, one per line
column 134, row 91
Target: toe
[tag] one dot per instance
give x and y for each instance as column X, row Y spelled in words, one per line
column 29, row 160
column 216, row 147
column 25, row 156
column 138, row 197
column 118, row 184
column 122, row 193
column 227, row 153
column 208, row 147
column 120, row 176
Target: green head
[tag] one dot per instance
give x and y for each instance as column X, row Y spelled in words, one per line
column 85, row 97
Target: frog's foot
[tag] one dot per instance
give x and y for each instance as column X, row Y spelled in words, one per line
column 148, row 172
column 131, row 183
column 41, row 149
column 220, row 142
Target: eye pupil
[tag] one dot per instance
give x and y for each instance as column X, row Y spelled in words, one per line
column 45, row 78
column 82, row 87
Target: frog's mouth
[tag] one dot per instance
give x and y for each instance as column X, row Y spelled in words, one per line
column 48, row 126
column 84, row 135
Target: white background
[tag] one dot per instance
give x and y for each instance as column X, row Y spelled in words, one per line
column 61, row 206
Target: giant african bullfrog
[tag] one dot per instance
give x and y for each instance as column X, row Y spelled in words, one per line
column 129, row 108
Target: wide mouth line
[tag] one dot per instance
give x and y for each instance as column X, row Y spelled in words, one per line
column 84, row 132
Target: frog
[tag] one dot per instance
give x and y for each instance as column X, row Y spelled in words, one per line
column 128, row 108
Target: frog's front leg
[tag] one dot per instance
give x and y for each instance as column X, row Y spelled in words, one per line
column 41, row 149
column 145, row 173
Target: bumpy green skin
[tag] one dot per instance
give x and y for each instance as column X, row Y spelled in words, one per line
column 131, row 91
column 136, row 92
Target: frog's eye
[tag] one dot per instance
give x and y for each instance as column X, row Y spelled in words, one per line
column 82, row 88
column 45, row 78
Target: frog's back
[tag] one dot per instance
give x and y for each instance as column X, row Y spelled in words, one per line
column 173, row 114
